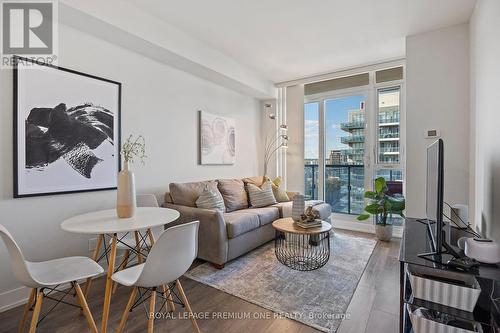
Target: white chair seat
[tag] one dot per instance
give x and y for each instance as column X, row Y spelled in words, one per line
column 63, row 270
column 128, row 276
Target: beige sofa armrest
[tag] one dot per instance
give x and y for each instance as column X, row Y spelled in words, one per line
column 212, row 235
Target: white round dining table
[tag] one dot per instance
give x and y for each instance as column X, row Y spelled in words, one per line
column 107, row 223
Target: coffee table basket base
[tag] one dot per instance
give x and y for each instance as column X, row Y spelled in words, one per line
column 303, row 252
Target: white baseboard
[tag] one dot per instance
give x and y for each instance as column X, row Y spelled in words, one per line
column 15, row 297
column 362, row 227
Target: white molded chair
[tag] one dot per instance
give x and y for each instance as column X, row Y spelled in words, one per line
column 169, row 258
column 47, row 275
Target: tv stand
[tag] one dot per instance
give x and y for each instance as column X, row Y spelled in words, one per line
column 416, row 241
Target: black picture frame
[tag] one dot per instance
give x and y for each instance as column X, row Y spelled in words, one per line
column 16, row 112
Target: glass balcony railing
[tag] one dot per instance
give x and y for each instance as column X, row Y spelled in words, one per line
column 388, row 120
column 389, row 149
column 352, row 125
column 353, row 151
column 344, row 186
column 352, row 138
column 389, row 135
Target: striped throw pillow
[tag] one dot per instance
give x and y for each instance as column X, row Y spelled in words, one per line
column 261, row 196
column 211, row 198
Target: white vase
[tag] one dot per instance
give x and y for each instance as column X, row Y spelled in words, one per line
column 298, row 206
column 384, row 233
column 125, row 198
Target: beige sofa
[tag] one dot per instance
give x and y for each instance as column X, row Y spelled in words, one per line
column 224, row 236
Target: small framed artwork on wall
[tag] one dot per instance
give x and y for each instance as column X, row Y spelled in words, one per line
column 217, row 139
column 66, row 130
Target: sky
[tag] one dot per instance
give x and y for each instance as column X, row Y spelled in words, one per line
column 336, row 112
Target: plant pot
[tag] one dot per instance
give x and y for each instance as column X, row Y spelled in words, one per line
column 125, row 198
column 384, row 233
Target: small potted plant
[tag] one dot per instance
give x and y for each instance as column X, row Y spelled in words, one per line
column 125, row 197
column 382, row 206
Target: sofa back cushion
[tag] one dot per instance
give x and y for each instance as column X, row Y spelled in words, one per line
column 186, row 194
column 261, row 196
column 234, row 194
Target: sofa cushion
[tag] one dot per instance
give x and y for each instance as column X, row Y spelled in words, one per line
column 186, row 194
column 261, row 196
column 211, row 198
column 238, row 223
column 278, row 190
column 234, row 194
column 266, row 214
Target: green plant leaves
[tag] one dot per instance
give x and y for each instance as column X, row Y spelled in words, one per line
column 363, row 217
column 380, row 185
column 370, row 195
column 374, row 209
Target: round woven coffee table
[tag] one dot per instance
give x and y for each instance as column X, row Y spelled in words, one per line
column 299, row 248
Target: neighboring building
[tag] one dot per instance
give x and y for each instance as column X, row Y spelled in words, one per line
column 388, row 127
column 336, row 157
column 356, row 138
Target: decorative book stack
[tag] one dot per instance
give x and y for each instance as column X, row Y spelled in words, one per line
column 309, row 224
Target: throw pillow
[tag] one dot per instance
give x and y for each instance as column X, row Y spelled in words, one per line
column 234, row 194
column 261, row 196
column 210, row 198
column 278, row 191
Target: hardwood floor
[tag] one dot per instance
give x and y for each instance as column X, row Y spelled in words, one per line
column 373, row 308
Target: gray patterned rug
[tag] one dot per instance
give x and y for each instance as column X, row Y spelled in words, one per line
column 317, row 298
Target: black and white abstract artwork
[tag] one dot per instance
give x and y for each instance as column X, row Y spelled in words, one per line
column 66, row 131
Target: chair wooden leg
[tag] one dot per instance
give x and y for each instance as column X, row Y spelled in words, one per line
column 26, row 310
column 85, row 307
column 123, row 265
column 186, row 303
column 151, row 317
column 95, row 255
column 36, row 311
column 131, row 301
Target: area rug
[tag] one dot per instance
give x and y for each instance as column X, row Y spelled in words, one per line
column 317, row 298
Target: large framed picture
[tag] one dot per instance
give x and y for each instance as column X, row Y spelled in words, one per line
column 66, row 130
column 217, row 139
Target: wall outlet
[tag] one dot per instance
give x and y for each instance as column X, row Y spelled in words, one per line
column 92, row 244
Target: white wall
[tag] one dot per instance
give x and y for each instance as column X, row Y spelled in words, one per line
column 437, row 97
column 485, row 117
column 157, row 101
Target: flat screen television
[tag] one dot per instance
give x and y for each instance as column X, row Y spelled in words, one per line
column 435, row 189
column 435, row 201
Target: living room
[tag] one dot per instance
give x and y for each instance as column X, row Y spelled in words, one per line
column 301, row 156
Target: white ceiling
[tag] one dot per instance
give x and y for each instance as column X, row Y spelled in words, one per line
column 289, row 39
